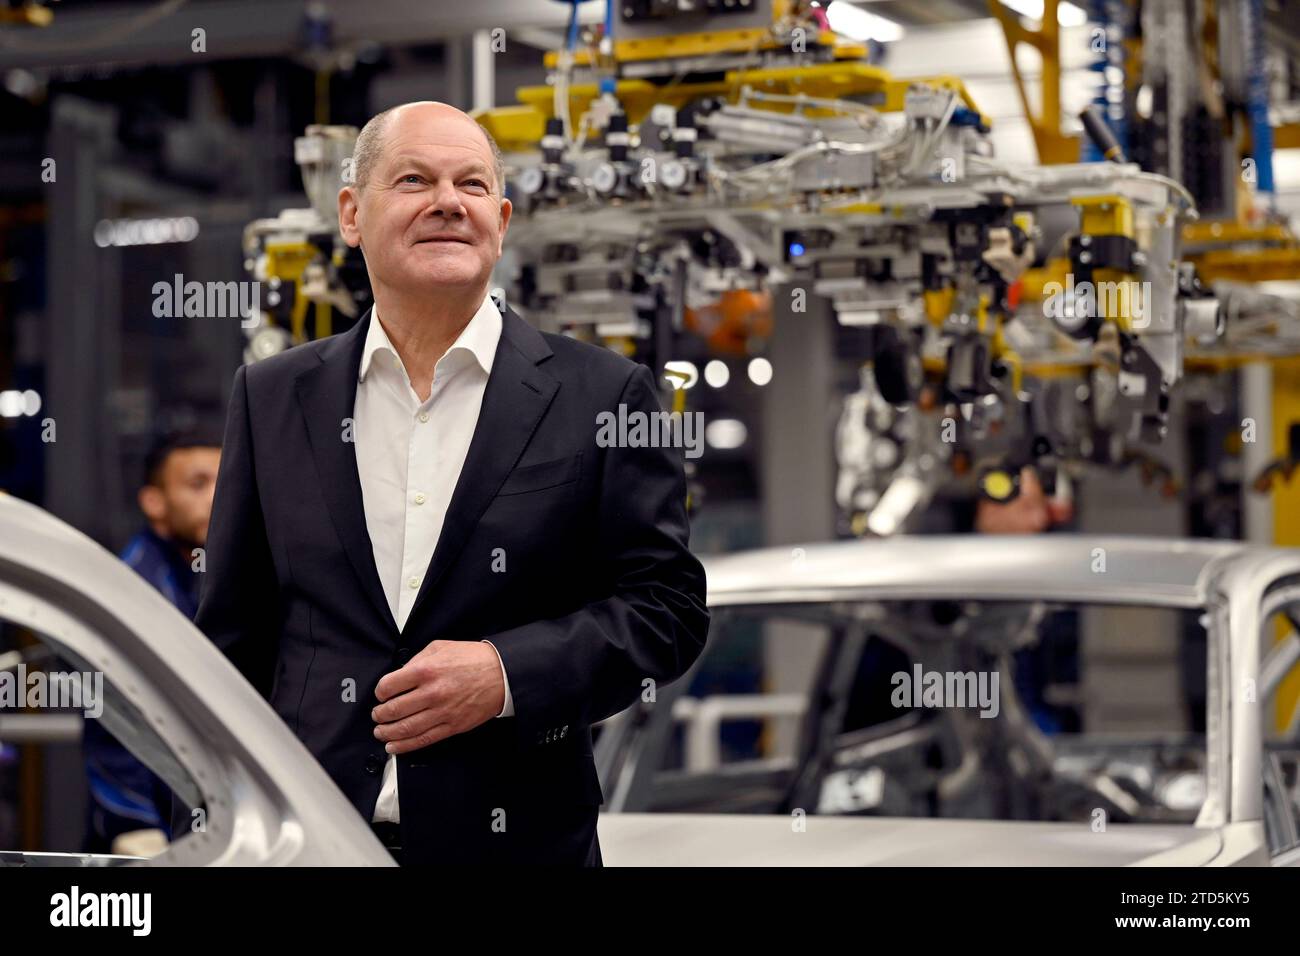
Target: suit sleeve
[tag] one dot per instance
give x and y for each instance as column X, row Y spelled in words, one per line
column 239, row 609
column 590, row 664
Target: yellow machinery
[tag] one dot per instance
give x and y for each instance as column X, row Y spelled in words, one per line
column 686, row 158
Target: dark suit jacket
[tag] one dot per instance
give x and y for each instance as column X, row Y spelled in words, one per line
column 598, row 595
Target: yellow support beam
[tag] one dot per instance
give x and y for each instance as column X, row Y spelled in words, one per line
column 518, row 128
column 1286, row 136
column 1286, row 505
column 1053, row 146
column 1248, row 265
column 682, row 45
column 705, row 44
column 1231, row 232
column 1240, row 252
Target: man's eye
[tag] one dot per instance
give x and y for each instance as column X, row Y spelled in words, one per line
column 476, row 182
column 410, row 176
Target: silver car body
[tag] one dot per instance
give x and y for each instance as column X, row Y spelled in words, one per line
column 1239, row 587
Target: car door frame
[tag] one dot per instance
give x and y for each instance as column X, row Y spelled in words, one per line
column 266, row 800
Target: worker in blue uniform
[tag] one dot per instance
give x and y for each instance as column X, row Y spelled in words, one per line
column 176, row 499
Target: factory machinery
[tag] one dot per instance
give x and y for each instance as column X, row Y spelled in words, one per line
column 705, row 168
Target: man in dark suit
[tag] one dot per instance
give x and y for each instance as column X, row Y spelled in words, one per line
column 421, row 551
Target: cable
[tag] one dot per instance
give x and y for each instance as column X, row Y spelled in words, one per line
column 1173, row 184
column 571, row 33
column 756, row 177
column 1140, row 174
column 801, row 99
column 920, row 155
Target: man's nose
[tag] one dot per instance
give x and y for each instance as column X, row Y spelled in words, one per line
column 445, row 200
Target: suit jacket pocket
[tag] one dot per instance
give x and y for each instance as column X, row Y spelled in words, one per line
column 542, row 475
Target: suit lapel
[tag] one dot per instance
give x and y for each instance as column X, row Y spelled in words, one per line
column 516, row 397
column 326, row 394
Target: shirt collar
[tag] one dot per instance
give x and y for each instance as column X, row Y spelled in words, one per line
column 479, row 338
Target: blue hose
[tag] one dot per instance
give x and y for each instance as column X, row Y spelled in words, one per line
column 1109, row 16
column 1261, row 133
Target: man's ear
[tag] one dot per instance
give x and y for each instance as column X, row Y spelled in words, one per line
column 348, row 207
column 506, row 209
column 152, row 503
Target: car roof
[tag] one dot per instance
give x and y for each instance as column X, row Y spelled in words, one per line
column 1058, row 566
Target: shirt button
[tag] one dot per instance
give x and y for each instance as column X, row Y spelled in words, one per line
column 419, row 498
column 413, row 583
column 424, row 416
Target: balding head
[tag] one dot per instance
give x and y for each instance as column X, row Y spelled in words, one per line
column 370, row 141
column 425, row 205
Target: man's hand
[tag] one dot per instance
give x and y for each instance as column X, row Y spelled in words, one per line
column 1029, row 513
column 448, row 688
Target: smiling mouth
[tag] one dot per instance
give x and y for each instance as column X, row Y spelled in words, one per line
column 422, row 241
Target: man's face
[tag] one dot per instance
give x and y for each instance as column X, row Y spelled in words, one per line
column 181, row 503
column 430, row 215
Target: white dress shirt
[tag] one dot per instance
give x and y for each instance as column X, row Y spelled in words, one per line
column 409, row 457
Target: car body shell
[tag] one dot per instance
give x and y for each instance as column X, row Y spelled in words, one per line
column 1236, row 585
